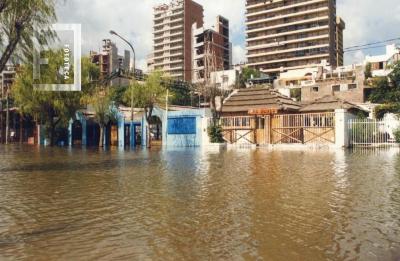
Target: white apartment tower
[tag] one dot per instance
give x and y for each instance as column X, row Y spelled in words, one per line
column 292, row 34
column 172, row 32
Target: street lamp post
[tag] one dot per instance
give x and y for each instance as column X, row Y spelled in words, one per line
column 134, row 67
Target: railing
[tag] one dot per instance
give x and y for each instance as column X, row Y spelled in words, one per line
column 237, row 123
column 307, row 128
column 366, row 132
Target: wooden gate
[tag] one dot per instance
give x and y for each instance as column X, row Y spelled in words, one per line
column 241, row 129
column 318, row 128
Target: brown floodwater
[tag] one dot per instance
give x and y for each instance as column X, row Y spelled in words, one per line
column 198, row 204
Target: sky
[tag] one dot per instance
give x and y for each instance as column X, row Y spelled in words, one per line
column 366, row 21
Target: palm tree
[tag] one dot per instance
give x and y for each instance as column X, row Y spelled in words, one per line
column 20, row 21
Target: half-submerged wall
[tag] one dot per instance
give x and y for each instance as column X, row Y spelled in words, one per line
column 184, row 128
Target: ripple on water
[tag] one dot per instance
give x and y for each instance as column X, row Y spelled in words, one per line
column 197, row 204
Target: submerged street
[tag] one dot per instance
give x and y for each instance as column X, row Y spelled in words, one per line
column 196, row 204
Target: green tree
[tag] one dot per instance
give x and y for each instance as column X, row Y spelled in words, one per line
column 148, row 95
column 53, row 109
column 247, row 74
column 368, row 71
column 20, row 20
column 387, row 89
column 104, row 109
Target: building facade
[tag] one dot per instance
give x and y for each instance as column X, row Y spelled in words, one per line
column 346, row 83
column 291, row 34
column 110, row 62
column 380, row 64
column 340, row 26
column 212, row 50
column 172, row 32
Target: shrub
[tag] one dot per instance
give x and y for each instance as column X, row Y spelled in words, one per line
column 215, row 134
column 397, row 135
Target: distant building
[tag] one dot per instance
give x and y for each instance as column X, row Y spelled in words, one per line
column 7, row 78
column 340, row 26
column 225, row 80
column 380, row 63
column 316, row 82
column 287, row 35
column 110, row 62
column 212, row 50
column 172, row 31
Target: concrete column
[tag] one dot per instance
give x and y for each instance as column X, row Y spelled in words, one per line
column 70, row 132
column 84, row 132
column 341, row 128
column 132, row 133
column 121, row 132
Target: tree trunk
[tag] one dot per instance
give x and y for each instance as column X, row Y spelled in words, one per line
column 101, row 140
column 21, row 124
column 9, row 50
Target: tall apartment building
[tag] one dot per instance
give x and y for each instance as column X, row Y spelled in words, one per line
column 172, row 51
column 340, row 26
column 212, row 50
column 291, row 34
column 109, row 62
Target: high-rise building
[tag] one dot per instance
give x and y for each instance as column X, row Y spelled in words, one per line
column 340, row 26
column 110, row 62
column 212, row 50
column 291, row 34
column 172, row 50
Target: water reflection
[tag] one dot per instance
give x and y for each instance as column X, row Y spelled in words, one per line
column 199, row 204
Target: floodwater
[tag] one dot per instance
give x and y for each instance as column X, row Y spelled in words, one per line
column 196, row 204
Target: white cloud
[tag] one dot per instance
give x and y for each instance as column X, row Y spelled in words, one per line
column 366, row 21
column 239, row 54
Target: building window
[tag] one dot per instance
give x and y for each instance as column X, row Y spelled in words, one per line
column 336, row 88
column 352, row 86
column 315, row 89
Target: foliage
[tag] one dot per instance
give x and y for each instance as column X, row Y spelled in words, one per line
column 215, row 134
column 104, row 109
column 149, row 94
column 397, row 135
column 20, row 21
column 181, row 93
column 387, row 89
column 117, row 95
column 51, row 108
column 296, row 93
column 368, row 71
column 381, row 110
column 247, row 74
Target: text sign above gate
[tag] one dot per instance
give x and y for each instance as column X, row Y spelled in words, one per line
column 263, row 111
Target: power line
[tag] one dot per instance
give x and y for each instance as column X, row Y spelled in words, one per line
column 370, row 44
column 366, row 48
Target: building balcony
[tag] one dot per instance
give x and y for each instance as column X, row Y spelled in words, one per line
column 309, row 57
column 287, row 51
column 267, row 28
column 299, row 40
column 295, row 14
column 300, row 31
column 283, row 8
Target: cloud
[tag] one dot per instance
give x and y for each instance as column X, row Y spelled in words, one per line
column 134, row 20
column 366, row 21
column 239, row 54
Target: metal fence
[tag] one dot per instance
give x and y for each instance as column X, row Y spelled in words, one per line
column 367, row 132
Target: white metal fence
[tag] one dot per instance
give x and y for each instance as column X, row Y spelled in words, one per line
column 367, row 132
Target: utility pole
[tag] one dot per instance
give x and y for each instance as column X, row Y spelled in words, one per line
column 7, row 117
